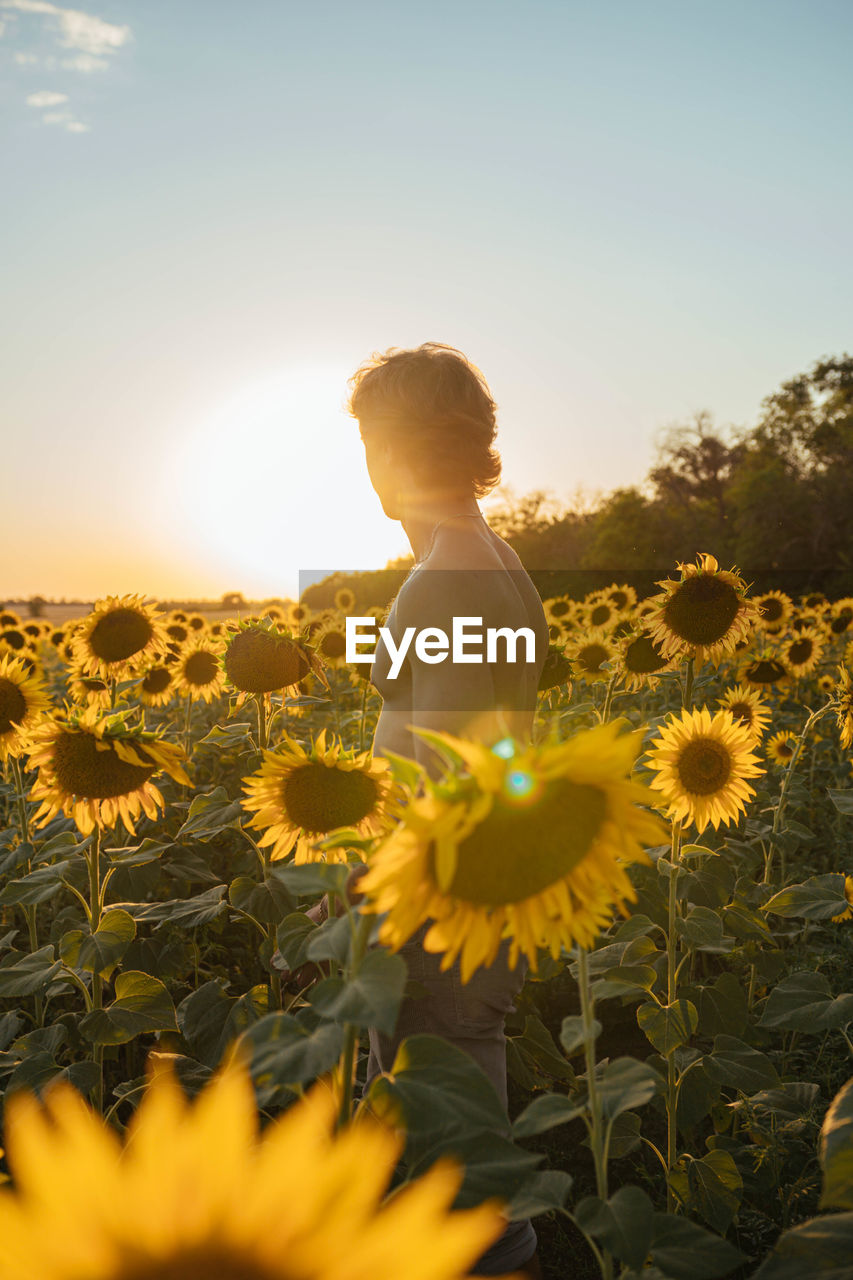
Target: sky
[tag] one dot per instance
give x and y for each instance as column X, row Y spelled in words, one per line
column 624, row 213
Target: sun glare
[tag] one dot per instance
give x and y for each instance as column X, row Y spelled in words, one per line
column 273, row 484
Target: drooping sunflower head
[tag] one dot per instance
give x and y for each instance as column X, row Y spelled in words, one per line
column 118, row 636
column 748, row 708
column 157, row 686
column 199, row 673
column 530, row 843
column 802, row 652
column 701, row 764
column 98, row 769
column 262, row 657
column 588, row 653
column 23, row 703
column 765, row 669
column 775, row 608
column 780, row 748
column 641, row 659
column 843, row 694
column 300, row 795
column 705, row 610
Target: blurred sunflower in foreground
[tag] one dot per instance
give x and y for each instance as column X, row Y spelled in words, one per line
column 701, row 763
column 23, row 701
column 301, row 795
column 118, row 629
column 96, row 770
column 196, row 1193
column 531, row 844
column 705, row 610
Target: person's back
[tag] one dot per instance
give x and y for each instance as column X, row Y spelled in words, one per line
column 427, row 420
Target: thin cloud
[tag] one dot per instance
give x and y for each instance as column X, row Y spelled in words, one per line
column 78, row 30
column 46, row 98
column 26, row 59
column 85, row 62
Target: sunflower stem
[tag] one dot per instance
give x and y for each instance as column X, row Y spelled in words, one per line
column 349, row 1055
column 608, row 697
column 687, row 689
column 597, row 1136
column 671, row 989
column 93, row 857
column 188, row 716
column 262, row 721
column 779, row 812
column 30, row 913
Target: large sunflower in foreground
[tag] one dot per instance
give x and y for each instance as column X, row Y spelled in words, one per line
column 701, row 763
column 195, row 1192
column 531, row 844
column 748, row 708
column 23, row 702
column 120, row 629
column 263, row 657
column 301, row 796
column 96, row 770
column 705, row 610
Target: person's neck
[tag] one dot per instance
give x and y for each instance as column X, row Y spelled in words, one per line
column 420, row 520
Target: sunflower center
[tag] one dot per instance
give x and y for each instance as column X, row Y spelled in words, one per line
column 333, row 645
column 200, row 668
column 600, row 614
column 741, row 711
column 559, row 608
column 800, row 651
column 840, row 624
column 14, row 639
column 619, row 599
column 259, row 662
column 704, row 766
column 591, row 656
column 642, row 657
column 158, row 679
column 200, row 1262
column 120, row 634
column 517, row 852
column 319, row 798
column 771, row 610
column 701, row 609
column 765, row 671
column 13, row 704
column 82, row 770
column 785, row 749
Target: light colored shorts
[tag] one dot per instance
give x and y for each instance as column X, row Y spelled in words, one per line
column 471, row 1016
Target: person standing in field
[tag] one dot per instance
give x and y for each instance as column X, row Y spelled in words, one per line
column 427, row 422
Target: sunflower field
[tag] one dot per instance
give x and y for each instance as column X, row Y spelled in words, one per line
column 206, row 880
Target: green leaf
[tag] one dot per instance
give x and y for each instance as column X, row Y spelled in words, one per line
column 723, row 1007
column 189, row 912
column 821, row 1247
column 788, row 1101
column 623, row 979
column 702, row 930
column 493, row 1166
column 626, row 1083
column 836, row 1151
column 711, row 1187
column 39, row 886
column 669, row 1026
column 211, row 813
column 739, row 1066
column 268, row 900
column 546, row 1190
column 331, row 941
column 138, row 855
column 623, row 1224
column 546, row 1112
column 142, row 1004
column 745, row 924
column 292, row 938
column 573, row 1033
column 818, row 898
column 311, row 878
column 369, row 999
column 285, row 1053
column 697, row 1093
column 24, row 975
column 685, row 1251
column 843, row 800
column 101, row 951
column 804, row 1002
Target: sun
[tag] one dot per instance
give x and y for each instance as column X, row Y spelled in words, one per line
column 271, row 484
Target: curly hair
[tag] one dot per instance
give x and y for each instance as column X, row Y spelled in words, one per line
column 434, row 407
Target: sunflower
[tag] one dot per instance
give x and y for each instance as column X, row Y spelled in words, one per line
column 330, row 642
column 767, row 668
column 15, row 640
column 556, row 670
column 848, row 893
column 299, row 614
column 89, row 690
column 705, row 610
column 641, row 659
column 532, row 844
column 118, row 629
column 559, row 608
column 263, row 657
column 194, row 1191
column 825, row 682
column 345, row 599
column 803, row 651
column 97, row 770
column 8, row 618
column 588, row 653
column 23, row 702
column 178, row 615
column 748, row 708
column 198, row 671
column 622, row 596
column 701, row 763
column 157, row 686
column 600, row 614
column 216, row 629
column 814, row 600
column 197, row 622
column 844, row 706
column 780, row 748
column 775, row 608
column 300, row 796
